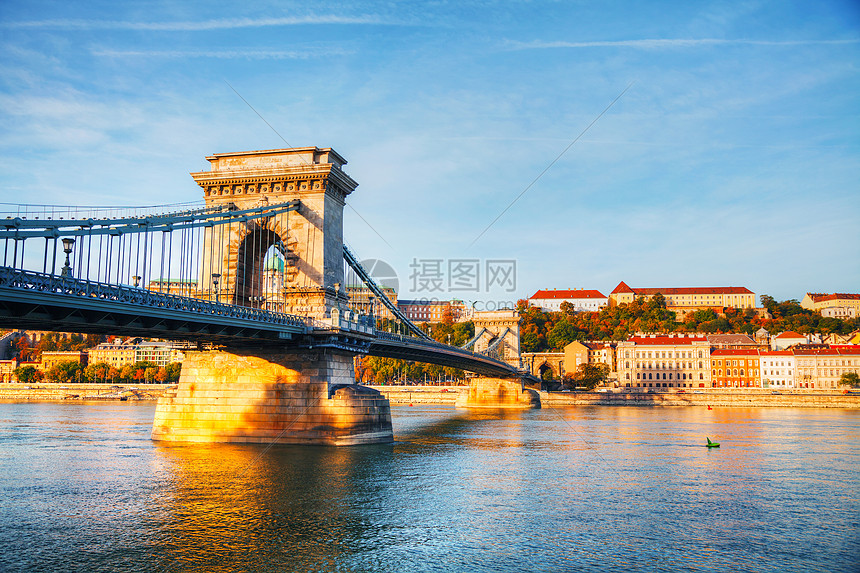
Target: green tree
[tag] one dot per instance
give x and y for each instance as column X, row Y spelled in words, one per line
column 173, row 369
column 97, row 372
column 588, row 375
column 850, row 379
column 65, row 372
column 562, row 334
column 28, row 374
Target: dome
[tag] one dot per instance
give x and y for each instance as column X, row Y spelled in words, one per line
column 275, row 263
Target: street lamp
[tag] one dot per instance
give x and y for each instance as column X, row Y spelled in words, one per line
column 215, row 277
column 68, row 243
column 136, row 280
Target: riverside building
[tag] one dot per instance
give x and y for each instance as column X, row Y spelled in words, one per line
column 664, row 361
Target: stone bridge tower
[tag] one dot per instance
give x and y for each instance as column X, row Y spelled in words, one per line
column 312, row 238
column 301, row 393
column 495, row 324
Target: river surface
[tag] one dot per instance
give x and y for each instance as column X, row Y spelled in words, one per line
column 82, row 488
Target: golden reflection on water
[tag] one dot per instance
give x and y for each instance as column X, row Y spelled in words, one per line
column 473, row 487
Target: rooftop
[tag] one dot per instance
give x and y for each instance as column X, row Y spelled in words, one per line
column 554, row 294
column 623, row 288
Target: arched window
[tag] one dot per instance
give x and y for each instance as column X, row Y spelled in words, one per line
column 742, row 372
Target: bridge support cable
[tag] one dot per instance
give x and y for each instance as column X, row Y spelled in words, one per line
column 139, row 250
column 365, row 277
column 474, row 339
column 493, row 349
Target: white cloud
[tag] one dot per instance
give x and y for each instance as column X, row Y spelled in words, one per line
column 659, row 43
column 190, row 26
column 225, row 54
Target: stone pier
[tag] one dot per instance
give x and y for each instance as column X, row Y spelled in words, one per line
column 498, row 393
column 301, row 397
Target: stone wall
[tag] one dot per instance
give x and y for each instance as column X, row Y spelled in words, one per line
column 497, row 393
column 713, row 399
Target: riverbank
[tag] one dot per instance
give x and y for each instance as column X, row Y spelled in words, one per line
column 52, row 392
column 714, row 397
column 447, row 395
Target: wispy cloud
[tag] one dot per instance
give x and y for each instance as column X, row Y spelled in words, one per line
column 657, row 43
column 191, row 26
column 225, row 54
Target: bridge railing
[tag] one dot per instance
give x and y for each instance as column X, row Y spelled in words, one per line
column 46, row 283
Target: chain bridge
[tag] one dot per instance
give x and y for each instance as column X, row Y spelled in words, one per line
column 255, row 274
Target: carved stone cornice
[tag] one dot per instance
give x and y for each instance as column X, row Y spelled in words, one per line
column 295, row 173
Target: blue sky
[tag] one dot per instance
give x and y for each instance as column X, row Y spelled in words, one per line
column 733, row 158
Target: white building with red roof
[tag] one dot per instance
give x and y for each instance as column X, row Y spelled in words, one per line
column 787, row 339
column 823, row 367
column 836, row 305
column 664, row 361
column 778, row 369
column 582, row 300
column 687, row 299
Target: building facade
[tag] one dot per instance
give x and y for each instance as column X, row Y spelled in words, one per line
column 735, row 368
column 112, row 354
column 787, row 339
column 777, row 369
column 426, row 310
column 363, row 301
column 660, row 361
column 835, row 305
column 52, row 358
column 577, row 353
column 582, row 300
column 823, row 367
column 686, row 299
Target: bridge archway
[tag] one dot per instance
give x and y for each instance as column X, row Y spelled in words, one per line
column 264, row 267
column 314, row 178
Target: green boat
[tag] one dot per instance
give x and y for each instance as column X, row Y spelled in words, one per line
column 712, row 444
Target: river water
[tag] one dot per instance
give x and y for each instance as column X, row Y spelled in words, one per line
column 82, row 488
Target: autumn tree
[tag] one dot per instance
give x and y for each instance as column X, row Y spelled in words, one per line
column 97, row 372
column 28, row 374
column 65, row 372
column 588, row 375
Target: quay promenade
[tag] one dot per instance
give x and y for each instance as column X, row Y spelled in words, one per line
column 447, row 395
column 51, row 391
column 758, row 397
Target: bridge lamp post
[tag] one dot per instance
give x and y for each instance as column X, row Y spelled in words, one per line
column 215, row 277
column 136, row 280
column 68, row 243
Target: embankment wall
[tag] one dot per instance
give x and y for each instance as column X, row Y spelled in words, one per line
column 720, row 398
